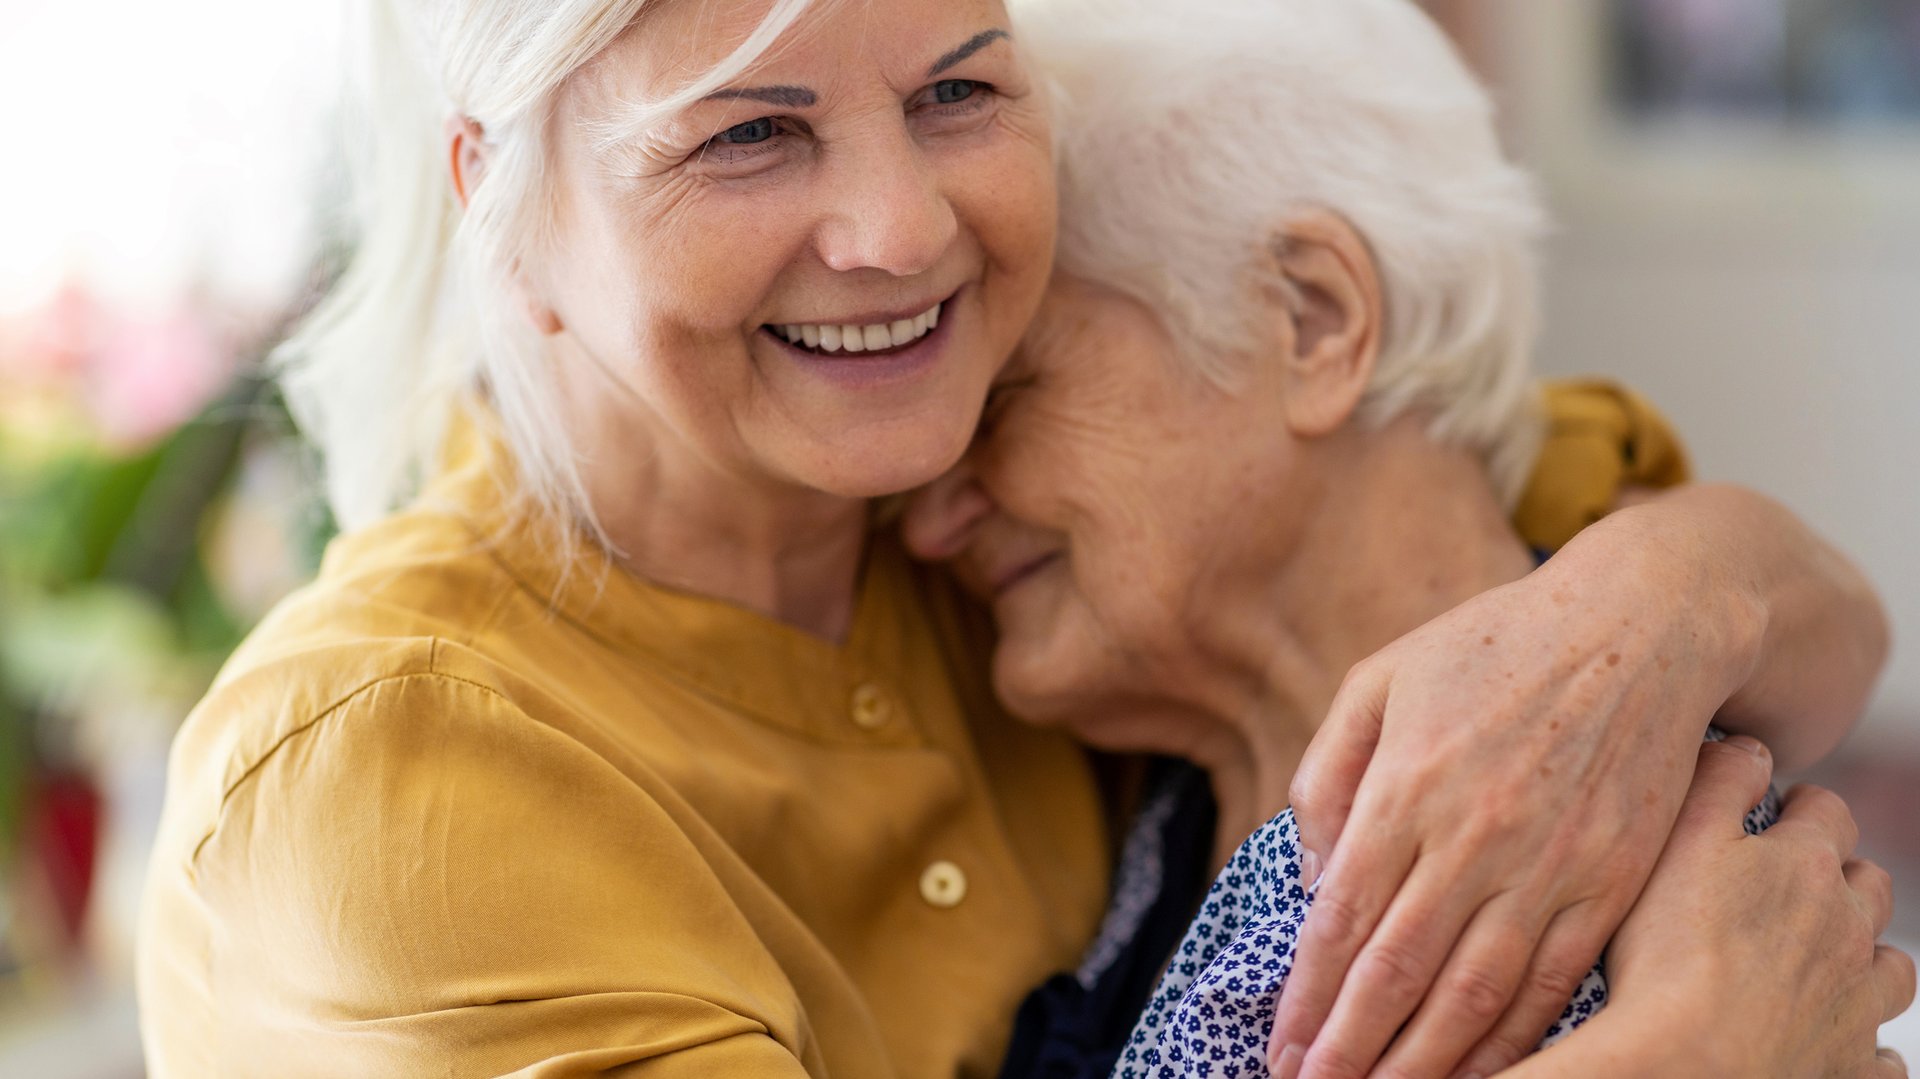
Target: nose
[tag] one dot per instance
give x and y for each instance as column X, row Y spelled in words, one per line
column 943, row 517
column 890, row 212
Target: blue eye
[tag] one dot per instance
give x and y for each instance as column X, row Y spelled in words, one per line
column 748, row 133
column 954, row 91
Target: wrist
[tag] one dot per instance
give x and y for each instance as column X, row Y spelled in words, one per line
column 1661, row 565
column 1638, row 1038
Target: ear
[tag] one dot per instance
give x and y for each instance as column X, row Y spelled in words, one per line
column 467, row 165
column 466, row 156
column 1330, row 321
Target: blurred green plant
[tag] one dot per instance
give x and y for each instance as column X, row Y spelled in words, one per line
column 104, row 586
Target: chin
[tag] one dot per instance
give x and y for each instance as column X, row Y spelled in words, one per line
column 887, row 458
column 1034, row 687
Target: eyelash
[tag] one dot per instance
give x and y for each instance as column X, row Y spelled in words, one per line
column 729, row 153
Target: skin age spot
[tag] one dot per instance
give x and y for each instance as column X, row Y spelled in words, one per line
column 1613, row 659
column 1665, row 664
column 1486, row 640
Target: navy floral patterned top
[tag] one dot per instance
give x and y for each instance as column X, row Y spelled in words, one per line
column 1211, row 1012
column 1214, row 1008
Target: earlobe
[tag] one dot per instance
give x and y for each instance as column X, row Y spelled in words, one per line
column 545, row 319
column 1331, row 311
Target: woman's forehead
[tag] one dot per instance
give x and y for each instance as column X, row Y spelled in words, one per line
column 675, row 42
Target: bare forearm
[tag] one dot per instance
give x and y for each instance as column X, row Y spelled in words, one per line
column 1804, row 633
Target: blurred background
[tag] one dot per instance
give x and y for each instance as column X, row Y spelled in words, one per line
column 1737, row 186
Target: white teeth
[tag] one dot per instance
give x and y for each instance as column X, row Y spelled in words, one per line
column 842, row 338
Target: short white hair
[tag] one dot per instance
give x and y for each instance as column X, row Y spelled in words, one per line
column 1190, row 132
column 422, row 321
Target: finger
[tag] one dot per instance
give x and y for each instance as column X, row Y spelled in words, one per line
column 1393, row 972
column 1567, row 953
column 1474, row 989
column 1893, row 977
column 1821, row 814
column 1327, row 781
column 1875, row 889
column 1361, row 881
column 1729, row 779
column 1889, row 1065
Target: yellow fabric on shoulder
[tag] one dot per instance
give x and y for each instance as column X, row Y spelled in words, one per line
column 1602, row 439
column 453, row 811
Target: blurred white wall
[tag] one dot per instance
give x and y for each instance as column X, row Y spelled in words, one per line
column 1762, row 287
column 154, row 148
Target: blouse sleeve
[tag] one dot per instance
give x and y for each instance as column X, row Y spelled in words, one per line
column 1601, row 439
column 424, row 881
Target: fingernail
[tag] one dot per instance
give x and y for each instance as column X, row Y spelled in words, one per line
column 1287, row 1065
column 1309, row 870
column 1751, row 745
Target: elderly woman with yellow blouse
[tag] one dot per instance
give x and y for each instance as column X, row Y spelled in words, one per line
column 1255, row 462
column 613, row 739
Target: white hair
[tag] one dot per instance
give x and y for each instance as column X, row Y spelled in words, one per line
column 422, row 321
column 1190, row 132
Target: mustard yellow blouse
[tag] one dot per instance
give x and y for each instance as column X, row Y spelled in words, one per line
column 469, row 807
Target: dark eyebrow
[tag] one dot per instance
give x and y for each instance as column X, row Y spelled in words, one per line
column 979, row 41
column 786, row 97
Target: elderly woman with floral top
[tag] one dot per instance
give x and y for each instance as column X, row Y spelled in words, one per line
column 1255, row 464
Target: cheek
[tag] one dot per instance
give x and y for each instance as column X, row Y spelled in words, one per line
column 1007, row 199
column 672, row 268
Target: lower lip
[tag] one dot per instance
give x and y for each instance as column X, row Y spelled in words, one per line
column 867, row 369
column 1023, row 575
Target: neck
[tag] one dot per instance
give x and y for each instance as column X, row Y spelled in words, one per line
column 1395, row 533
column 675, row 517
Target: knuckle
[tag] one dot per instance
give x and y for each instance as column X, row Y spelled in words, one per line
column 1876, row 879
column 1359, row 675
column 1338, row 1062
column 1479, row 993
column 1506, row 1048
column 1554, row 981
column 1336, row 920
column 1829, row 806
column 1395, row 968
column 1304, row 792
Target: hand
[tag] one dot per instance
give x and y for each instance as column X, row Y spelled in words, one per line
column 1768, row 940
column 1494, row 789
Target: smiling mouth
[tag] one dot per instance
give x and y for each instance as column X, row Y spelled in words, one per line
column 875, row 339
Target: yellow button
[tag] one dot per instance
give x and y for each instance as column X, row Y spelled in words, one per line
column 943, row 885
column 871, row 709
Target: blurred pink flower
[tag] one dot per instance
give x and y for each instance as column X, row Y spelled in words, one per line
column 51, row 345
column 152, row 374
